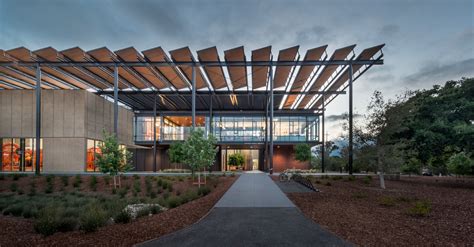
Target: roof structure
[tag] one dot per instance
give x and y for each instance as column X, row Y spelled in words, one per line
column 229, row 83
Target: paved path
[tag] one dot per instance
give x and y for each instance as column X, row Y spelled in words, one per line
column 253, row 212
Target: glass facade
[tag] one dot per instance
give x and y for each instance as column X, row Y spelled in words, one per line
column 18, row 154
column 93, row 148
column 230, row 129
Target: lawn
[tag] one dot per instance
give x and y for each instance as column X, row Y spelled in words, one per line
column 87, row 210
column 412, row 211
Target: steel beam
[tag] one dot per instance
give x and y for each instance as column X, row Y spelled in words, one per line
column 38, row 121
column 192, row 63
column 193, row 99
column 323, row 139
column 116, row 109
column 221, row 93
column 271, row 120
column 154, row 134
column 350, row 121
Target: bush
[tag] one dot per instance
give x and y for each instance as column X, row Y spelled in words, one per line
column 46, row 224
column 173, row 201
column 49, row 188
column 17, row 176
column 65, row 180
column 66, row 224
column 317, row 181
column 135, row 176
column 143, row 212
column 14, row 209
column 92, row 218
column 137, row 186
column 232, row 174
column 30, row 212
column 155, row 209
column 350, row 178
column 93, row 183
column 153, row 194
column 367, row 180
column 13, row 187
column 336, row 178
column 159, row 182
column 32, row 189
column 50, row 179
column 202, row 191
column 166, row 195
column 387, row 201
column 189, row 196
column 106, row 179
column 122, row 192
column 328, row 183
column 123, row 217
column 77, row 181
column 360, row 195
column 2, row 177
column 420, row 209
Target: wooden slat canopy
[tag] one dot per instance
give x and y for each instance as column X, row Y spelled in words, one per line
column 238, row 74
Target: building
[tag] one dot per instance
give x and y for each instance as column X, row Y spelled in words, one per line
column 151, row 99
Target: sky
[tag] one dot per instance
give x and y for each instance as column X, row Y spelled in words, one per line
column 427, row 42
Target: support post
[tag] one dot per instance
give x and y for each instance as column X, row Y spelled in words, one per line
column 116, row 101
column 271, row 120
column 267, row 162
column 210, row 116
column 38, row 121
column 323, row 147
column 154, row 134
column 193, row 98
column 350, row 121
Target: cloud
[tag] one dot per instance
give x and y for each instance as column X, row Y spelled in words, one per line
column 334, row 118
column 389, row 30
column 436, row 73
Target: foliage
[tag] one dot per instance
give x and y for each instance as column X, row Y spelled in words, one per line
column 413, row 166
column 303, row 152
column 92, row 218
column 460, row 164
column 203, row 191
column 387, row 201
column 47, row 222
column 420, row 209
column 93, row 183
column 199, row 151
column 113, row 160
column 65, row 180
column 236, row 159
column 176, row 152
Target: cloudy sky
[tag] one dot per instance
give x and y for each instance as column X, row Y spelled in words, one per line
column 427, row 42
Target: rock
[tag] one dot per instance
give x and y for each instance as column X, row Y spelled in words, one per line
column 133, row 209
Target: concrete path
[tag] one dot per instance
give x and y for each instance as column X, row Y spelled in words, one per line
column 253, row 212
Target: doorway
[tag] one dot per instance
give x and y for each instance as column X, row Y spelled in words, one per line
column 251, row 159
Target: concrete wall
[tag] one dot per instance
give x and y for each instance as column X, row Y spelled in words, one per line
column 284, row 158
column 68, row 119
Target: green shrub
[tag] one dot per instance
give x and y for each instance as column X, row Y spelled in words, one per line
column 159, row 182
column 317, row 181
column 77, row 181
column 30, row 212
column 16, row 176
column 135, row 176
column 170, row 188
column 50, row 178
column 32, row 189
column 2, row 177
column 20, row 192
column 166, row 195
column 13, row 187
column 360, row 195
column 180, row 179
column 143, row 212
column 350, row 178
column 178, row 192
column 49, row 188
column 47, row 223
column 137, row 186
column 72, row 211
column 324, row 177
column 173, row 201
column 122, row 192
column 155, row 209
column 92, row 218
column 153, row 194
column 335, row 178
column 123, row 217
column 66, row 224
column 160, row 190
column 14, row 209
column 202, row 191
column 114, row 191
column 93, row 183
column 189, row 196
column 367, row 179
column 65, row 180
column 387, row 201
column 420, row 209
column 327, row 183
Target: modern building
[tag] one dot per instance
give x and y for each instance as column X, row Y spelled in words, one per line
column 151, row 99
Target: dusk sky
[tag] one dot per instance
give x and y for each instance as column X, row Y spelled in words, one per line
column 427, row 42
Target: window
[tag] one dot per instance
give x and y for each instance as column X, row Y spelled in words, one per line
column 19, row 154
column 93, row 148
column 144, row 128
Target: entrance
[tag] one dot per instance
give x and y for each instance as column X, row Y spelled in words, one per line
column 251, row 159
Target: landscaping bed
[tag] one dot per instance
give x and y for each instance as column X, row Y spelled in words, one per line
column 88, row 213
column 412, row 211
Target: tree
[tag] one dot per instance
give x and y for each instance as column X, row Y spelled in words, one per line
column 303, row 152
column 113, row 159
column 199, row 152
column 460, row 164
column 412, row 166
column 176, row 152
column 236, row 159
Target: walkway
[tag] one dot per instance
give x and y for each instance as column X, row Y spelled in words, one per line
column 253, row 212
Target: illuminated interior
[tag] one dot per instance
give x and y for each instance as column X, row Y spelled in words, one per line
column 18, row 154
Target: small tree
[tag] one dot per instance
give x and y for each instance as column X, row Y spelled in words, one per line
column 199, row 152
column 176, row 152
column 236, row 159
column 412, row 166
column 112, row 159
column 460, row 164
column 303, row 152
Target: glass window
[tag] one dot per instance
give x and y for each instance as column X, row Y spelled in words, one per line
column 179, row 127
column 93, row 148
column 144, row 128
column 18, row 154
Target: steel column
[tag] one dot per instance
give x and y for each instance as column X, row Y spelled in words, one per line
column 193, row 99
column 323, row 147
column 154, row 134
column 210, row 116
column 116, row 77
column 350, row 120
column 38, row 121
column 271, row 120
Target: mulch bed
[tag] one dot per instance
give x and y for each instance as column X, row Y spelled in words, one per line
column 20, row 232
column 353, row 210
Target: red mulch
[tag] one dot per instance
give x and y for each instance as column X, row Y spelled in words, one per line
column 353, row 211
column 19, row 232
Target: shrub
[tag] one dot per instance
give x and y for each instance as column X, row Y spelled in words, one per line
column 14, row 209
column 135, row 176
column 123, row 217
column 178, row 192
column 159, row 182
column 317, row 181
column 202, row 191
column 46, row 224
column 173, row 201
column 137, row 186
column 66, row 224
column 92, row 218
column 30, row 212
column 232, row 174
column 189, row 196
column 420, row 209
column 65, row 180
column 328, row 183
column 93, row 183
column 16, row 176
column 387, row 201
column 170, row 188
column 77, row 181
column 50, row 178
column 32, row 189
column 49, row 188
column 13, row 187
column 2, row 177
column 336, row 178
column 143, row 212
column 166, row 195
column 114, row 191
column 350, row 178
column 360, row 195
column 180, row 179
column 122, row 192
column 153, row 194
column 20, row 192
column 367, row 180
